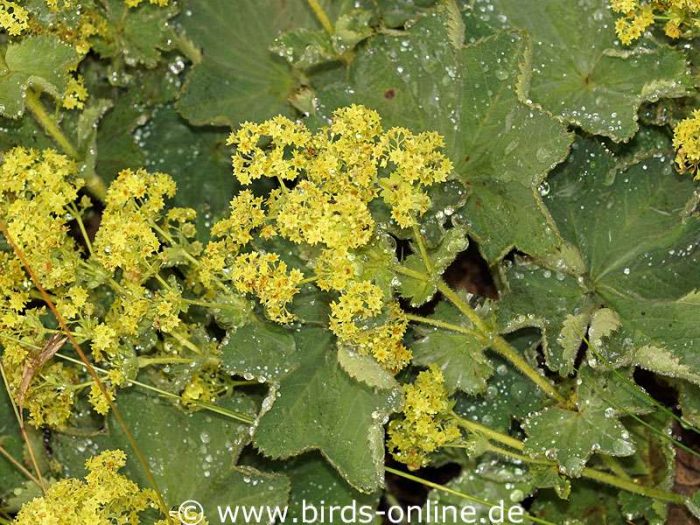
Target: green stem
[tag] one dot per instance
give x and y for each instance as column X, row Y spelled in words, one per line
column 628, row 485
column 33, row 101
column 485, row 431
column 463, row 307
column 509, row 352
column 150, row 361
column 442, row 324
column 83, row 231
column 322, row 16
column 23, row 431
column 243, row 418
column 185, row 342
column 47, row 122
column 632, row 486
column 19, row 466
column 419, row 240
column 448, row 490
column 497, row 343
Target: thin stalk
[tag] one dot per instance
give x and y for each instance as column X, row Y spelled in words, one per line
column 23, row 431
column 90, row 369
column 614, row 466
column 457, row 493
column 94, row 184
column 497, row 343
column 442, row 324
column 509, row 352
column 46, row 121
column 628, row 485
column 19, row 466
column 420, row 241
column 164, row 393
column 76, row 215
column 322, row 16
column 151, row 361
column 489, row 433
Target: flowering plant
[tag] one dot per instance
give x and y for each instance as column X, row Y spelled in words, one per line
column 305, row 252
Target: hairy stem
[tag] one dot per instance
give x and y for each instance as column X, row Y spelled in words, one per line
column 19, row 466
column 463, row 495
column 20, row 421
column 621, row 482
column 211, row 407
column 442, row 324
column 321, row 16
column 497, row 343
column 94, row 183
column 420, row 241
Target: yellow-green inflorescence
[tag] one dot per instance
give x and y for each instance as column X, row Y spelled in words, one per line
column 127, row 291
column 103, row 497
column 686, row 140
column 427, row 423
column 681, row 18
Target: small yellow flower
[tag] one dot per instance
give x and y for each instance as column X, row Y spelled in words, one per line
column 105, row 496
column 266, row 277
column 427, row 422
column 13, row 17
column 104, row 340
column 76, row 93
column 686, row 140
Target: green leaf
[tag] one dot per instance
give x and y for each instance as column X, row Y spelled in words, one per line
column 552, row 301
column 365, row 368
column 320, row 407
column 689, row 400
column 41, row 62
column 261, row 350
column 571, row 437
column 460, row 357
column 136, row 35
column 239, row 78
column 613, row 392
column 588, row 504
column 469, row 95
column 305, row 48
column 502, row 485
column 316, row 484
column 580, row 74
column 635, row 237
column 509, row 394
column 653, row 466
column 11, row 441
column 23, row 131
column 202, row 444
column 198, row 161
column 420, row 291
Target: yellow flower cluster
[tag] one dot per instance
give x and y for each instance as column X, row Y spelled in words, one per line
column 329, row 182
column 76, row 93
column 108, row 298
column 265, row 276
column 35, row 188
column 13, row 17
column 103, row 497
column 126, row 238
column 136, row 3
column 681, row 16
column 686, row 140
column 361, row 319
column 427, row 422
